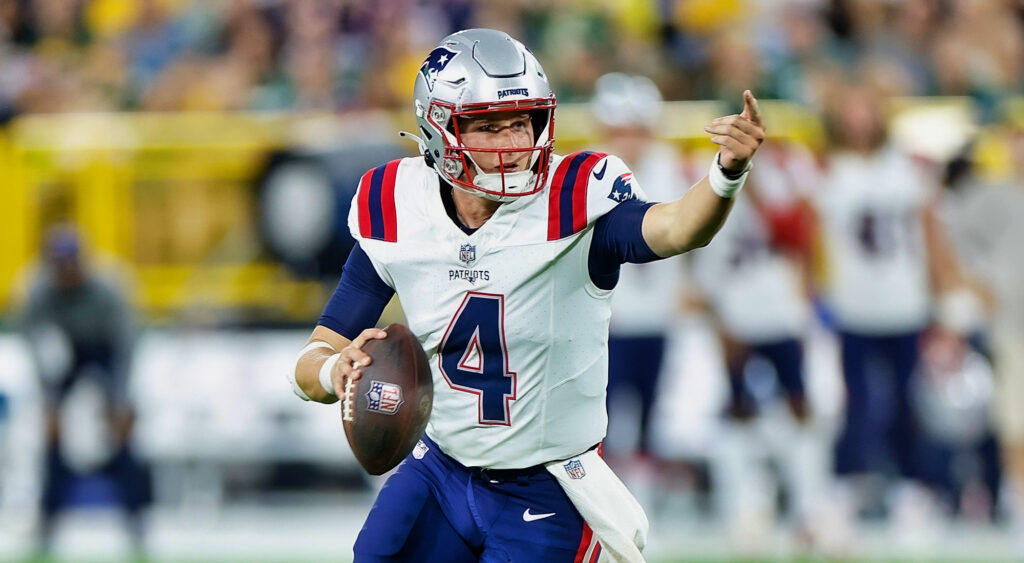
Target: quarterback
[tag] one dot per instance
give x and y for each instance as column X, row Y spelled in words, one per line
column 505, row 256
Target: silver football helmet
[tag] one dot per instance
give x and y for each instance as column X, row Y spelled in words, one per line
column 475, row 72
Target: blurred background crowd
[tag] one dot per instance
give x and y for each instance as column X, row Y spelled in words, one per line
column 232, row 55
column 839, row 373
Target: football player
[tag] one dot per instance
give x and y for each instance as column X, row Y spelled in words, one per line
column 504, row 256
column 755, row 277
column 887, row 263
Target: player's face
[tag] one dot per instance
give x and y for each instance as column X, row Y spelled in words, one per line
column 861, row 121
column 504, row 130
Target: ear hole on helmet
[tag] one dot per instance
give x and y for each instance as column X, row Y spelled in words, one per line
column 426, row 134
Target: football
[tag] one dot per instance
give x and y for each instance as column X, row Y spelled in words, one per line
column 386, row 410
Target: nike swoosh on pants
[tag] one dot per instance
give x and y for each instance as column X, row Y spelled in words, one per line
column 528, row 517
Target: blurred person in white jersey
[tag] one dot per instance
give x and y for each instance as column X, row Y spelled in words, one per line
column 887, row 260
column 647, row 299
column 504, row 256
column 755, row 278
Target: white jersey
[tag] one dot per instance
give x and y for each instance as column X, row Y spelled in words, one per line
column 872, row 212
column 647, row 295
column 514, row 328
column 755, row 290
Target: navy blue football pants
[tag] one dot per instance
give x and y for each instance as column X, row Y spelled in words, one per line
column 881, row 431
column 435, row 509
column 786, row 356
column 126, row 471
column 634, row 362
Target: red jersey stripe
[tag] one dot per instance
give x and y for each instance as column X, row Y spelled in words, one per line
column 387, row 202
column 363, row 203
column 579, row 194
column 555, row 196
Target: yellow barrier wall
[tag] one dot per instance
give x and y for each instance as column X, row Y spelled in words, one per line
column 171, row 195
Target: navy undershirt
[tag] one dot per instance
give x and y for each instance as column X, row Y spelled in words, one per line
column 361, row 295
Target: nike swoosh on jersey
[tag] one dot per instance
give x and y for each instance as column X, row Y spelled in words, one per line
column 528, row 517
column 599, row 175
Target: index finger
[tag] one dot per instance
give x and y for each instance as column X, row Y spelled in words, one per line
column 367, row 335
column 751, row 110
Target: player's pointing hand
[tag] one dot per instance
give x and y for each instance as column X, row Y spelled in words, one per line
column 738, row 135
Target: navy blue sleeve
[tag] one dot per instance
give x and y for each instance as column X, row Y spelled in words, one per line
column 619, row 238
column 359, row 299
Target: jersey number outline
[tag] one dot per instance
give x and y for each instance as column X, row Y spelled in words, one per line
column 473, row 356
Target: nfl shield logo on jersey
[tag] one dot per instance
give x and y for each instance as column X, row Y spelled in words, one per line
column 384, row 398
column 467, row 253
column 575, row 469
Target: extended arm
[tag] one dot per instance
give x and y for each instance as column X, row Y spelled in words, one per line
column 691, row 221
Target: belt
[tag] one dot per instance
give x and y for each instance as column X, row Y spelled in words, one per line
column 509, row 475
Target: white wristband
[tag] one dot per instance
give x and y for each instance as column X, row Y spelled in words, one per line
column 316, row 344
column 325, row 373
column 723, row 186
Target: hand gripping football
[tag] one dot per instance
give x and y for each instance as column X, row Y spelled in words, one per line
column 386, row 410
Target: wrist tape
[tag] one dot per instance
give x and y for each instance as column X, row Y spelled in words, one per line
column 325, row 374
column 723, row 186
column 291, row 375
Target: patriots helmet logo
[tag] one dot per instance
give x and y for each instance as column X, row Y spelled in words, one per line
column 435, row 63
column 622, row 188
column 467, row 253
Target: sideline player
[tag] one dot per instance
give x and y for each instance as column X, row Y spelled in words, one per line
column 755, row 277
column 888, row 263
column 505, row 256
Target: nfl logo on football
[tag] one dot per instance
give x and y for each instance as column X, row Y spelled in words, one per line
column 467, row 253
column 384, row 398
column 575, row 469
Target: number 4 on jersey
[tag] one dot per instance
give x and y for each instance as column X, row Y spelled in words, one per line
column 474, row 358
